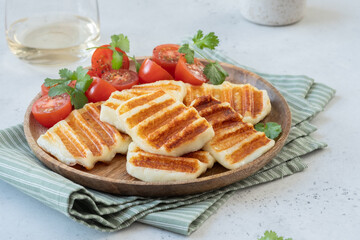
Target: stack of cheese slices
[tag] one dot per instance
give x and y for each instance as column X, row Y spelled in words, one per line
column 170, row 130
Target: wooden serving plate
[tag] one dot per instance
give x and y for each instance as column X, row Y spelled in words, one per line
column 113, row 178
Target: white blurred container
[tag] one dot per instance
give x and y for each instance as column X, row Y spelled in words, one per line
column 273, row 12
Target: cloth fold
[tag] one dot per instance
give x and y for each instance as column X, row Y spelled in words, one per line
column 184, row 215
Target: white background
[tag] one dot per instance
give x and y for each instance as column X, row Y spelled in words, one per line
column 323, row 202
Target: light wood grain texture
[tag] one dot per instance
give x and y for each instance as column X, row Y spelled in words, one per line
column 113, row 178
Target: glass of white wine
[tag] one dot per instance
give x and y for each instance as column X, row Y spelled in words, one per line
column 52, row 32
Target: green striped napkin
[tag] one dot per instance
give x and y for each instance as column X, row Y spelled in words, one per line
column 106, row 212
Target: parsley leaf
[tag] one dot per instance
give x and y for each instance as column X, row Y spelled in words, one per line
column 83, row 79
column 52, row 82
column 209, row 41
column 77, row 93
column 66, row 73
column 137, row 64
column 117, row 59
column 121, row 41
column 271, row 129
column 215, row 73
column 189, row 53
column 60, row 89
column 78, row 98
column 271, row 235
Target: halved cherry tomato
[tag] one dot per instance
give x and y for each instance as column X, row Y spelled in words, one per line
column 99, row 90
column 167, row 56
column 190, row 73
column 101, row 60
column 121, row 79
column 150, row 72
column 45, row 90
column 48, row 111
column 92, row 73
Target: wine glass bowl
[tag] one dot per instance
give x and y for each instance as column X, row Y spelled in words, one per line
column 52, row 32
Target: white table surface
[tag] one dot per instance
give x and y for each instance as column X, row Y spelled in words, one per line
column 322, row 202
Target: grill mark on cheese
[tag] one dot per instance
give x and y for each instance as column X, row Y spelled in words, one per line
column 205, row 103
column 106, row 132
column 218, row 113
column 258, row 102
column 112, row 105
column 156, row 88
column 178, row 164
column 159, row 137
column 237, row 129
column 147, row 112
column 199, row 155
column 122, row 97
column 188, row 134
column 228, row 140
column 227, row 124
column 245, row 101
column 192, row 93
column 248, row 148
column 143, row 99
column 161, row 120
column 49, row 136
column 90, row 138
column 74, row 147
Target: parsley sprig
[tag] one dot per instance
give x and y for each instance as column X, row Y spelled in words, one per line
column 271, row 129
column 61, row 85
column 118, row 41
column 271, row 235
column 213, row 70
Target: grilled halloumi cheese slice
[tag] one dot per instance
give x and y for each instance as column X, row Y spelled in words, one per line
column 176, row 89
column 83, row 139
column 252, row 104
column 236, row 143
column 150, row 167
column 159, row 124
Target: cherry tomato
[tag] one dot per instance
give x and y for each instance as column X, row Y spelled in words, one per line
column 121, row 79
column 48, row 111
column 190, row 73
column 101, row 60
column 45, row 90
column 92, row 73
column 99, row 90
column 167, row 56
column 150, row 72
